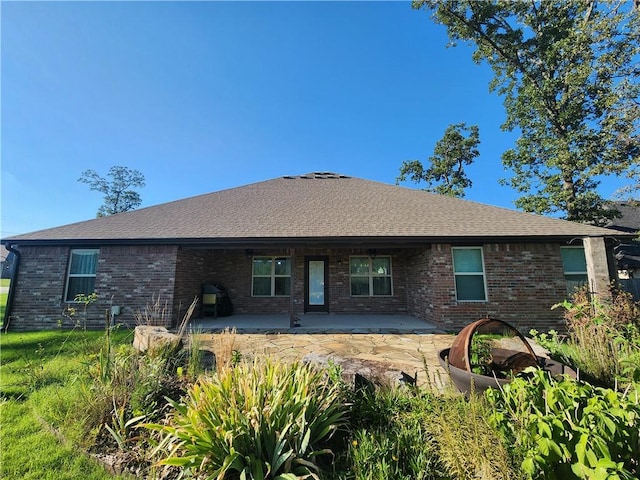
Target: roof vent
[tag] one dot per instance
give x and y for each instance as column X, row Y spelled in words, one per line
column 317, row 175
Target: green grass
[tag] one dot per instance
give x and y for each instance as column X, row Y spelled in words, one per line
column 31, row 451
column 4, row 282
column 36, row 371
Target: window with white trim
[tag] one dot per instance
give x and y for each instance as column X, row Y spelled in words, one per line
column 81, row 276
column 574, row 266
column 271, row 277
column 468, row 270
column 370, row 276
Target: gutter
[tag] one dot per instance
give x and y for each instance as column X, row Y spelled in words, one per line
column 257, row 242
column 12, row 286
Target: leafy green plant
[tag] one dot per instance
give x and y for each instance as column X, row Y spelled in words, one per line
column 84, row 299
column 567, row 429
column 391, row 439
column 603, row 337
column 480, row 355
column 421, row 433
column 236, row 357
column 260, row 420
column 121, row 427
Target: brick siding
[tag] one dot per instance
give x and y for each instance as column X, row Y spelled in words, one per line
column 127, row 276
column 523, row 282
column 134, row 277
column 38, row 301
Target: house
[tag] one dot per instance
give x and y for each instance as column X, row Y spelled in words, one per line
column 317, row 243
column 627, row 253
column 6, row 265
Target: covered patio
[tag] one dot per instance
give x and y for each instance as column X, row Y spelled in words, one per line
column 316, row 324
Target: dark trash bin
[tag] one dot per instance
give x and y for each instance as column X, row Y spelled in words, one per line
column 215, row 301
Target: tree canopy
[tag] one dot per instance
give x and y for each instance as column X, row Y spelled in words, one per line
column 445, row 173
column 119, row 195
column 569, row 74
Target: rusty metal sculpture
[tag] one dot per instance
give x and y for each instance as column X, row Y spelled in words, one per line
column 498, row 365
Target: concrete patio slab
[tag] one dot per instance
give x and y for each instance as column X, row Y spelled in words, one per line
column 316, row 324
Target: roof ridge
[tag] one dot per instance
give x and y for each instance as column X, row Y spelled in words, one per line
column 316, row 175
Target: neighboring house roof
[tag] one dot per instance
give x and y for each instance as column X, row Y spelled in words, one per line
column 318, row 206
column 629, row 220
column 627, row 253
column 628, row 256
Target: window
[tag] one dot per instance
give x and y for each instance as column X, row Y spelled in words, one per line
column 370, row 276
column 468, row 269
column 271, row 277
column 82, row 273
column 574, row 265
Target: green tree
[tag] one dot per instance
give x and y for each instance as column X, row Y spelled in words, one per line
column 445, row 174
column 569, row 75
column 117, row 189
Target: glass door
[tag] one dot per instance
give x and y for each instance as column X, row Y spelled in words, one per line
column 316, row 282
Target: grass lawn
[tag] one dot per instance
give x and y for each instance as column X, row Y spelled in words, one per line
column 36, row 369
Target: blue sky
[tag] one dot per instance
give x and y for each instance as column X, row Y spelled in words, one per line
column 203, row 96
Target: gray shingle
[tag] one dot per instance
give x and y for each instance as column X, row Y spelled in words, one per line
column 316, row 205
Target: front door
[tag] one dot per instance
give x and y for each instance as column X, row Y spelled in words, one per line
column 316, row 290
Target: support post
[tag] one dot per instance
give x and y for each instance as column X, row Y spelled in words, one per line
column 292, row 290
column 595, row 252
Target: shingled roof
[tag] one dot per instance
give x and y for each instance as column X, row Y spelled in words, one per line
column 317, row 207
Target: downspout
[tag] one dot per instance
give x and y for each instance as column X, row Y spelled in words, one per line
column 12, row 287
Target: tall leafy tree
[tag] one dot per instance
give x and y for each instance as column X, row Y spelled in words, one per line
column 445, row 173
column 119, row 195
column 569, row 74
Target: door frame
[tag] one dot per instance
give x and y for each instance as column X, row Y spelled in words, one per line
column 316, row 308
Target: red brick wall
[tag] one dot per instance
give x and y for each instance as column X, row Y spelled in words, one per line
column 133, row 277
column 233, row 269
column 340, row 285
column 126, row 276
column 39, row 288
column 419, row 284
column 523, row 282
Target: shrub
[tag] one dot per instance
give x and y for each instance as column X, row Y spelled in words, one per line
column 390, row 438
column 259, row 420
column 567, row 429
column 409, row 433
column 468, row 446
column 604, row 337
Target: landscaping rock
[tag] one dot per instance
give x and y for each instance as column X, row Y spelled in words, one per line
column 149, row 337
column 359, row 371
column 207, row 360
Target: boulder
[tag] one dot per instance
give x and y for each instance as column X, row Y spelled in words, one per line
column 207, row 360
column 360, row 372
column 149, row 337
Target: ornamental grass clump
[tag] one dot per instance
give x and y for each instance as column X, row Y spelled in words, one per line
column 257, row 420
column 603, row 337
